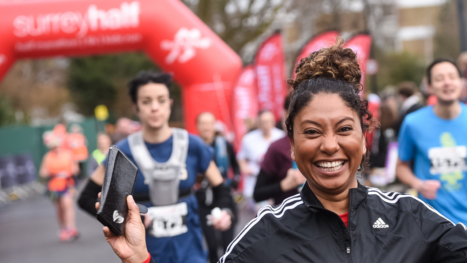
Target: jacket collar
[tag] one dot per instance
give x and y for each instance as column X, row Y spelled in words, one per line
column 357, row 195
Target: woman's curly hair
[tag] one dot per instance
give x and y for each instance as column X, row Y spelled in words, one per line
column 333, row 62
column 332, row 70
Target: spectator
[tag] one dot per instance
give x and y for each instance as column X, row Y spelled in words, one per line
column 383, row 135
column 253, row 147
column 99, row 154
column 123, row 128
column 276, row 178
column 410, row 102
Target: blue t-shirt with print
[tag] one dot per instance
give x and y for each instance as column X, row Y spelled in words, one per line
column 186, row 247
column 438, row 147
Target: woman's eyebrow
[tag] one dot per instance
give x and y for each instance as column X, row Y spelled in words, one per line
column 318, row 124
column 344, row 119
column 312, row 122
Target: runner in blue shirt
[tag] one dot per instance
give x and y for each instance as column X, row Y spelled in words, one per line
column 168, row 160
column 435, row 138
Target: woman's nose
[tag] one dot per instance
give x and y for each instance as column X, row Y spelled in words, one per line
column 329, row 144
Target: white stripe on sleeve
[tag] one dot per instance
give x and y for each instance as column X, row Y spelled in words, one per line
column 261, row 214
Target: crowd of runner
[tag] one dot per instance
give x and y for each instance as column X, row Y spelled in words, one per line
column 318, row 170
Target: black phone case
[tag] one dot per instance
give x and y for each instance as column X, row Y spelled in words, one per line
column 119, row 182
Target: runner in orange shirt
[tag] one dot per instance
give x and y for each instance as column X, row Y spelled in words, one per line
column 58, row 167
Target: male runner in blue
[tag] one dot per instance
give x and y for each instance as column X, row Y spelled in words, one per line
column 434, row 137
column 169, row 160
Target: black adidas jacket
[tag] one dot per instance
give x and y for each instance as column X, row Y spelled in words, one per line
column 382, row 227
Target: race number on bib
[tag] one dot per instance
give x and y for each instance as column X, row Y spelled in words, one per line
column 447, row 159
column 168, row 221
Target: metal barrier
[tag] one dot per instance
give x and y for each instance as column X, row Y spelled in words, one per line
column 18, row 178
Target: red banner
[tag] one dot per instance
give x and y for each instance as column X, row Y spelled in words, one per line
column 316, row 43
column 244, row 103
column 361, row 45
column 270, row 74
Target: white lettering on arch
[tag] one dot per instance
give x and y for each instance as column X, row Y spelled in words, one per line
column 127, row 16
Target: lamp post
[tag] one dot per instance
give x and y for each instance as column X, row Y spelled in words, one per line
column 462, row 29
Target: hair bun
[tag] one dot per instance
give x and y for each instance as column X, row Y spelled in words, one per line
column 333, row 62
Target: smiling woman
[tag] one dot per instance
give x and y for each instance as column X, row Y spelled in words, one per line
column 326, row 123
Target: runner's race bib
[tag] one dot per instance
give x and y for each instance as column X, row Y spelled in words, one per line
column 447, row 159
column 168, row 221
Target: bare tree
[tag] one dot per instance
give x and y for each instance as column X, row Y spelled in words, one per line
column 382, row 22
column 36, row 84
column 237, row 22
column 446, row 41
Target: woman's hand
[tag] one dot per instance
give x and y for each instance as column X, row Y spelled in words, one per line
column 130, row 247
column 245, row 168
column 293, row 179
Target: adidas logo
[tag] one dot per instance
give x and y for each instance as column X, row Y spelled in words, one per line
column 380, row 224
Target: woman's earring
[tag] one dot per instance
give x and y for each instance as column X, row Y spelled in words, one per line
column 361, row 163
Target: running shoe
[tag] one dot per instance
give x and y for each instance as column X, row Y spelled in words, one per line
column 74, row 234
column 68, row 235
column 64, row 235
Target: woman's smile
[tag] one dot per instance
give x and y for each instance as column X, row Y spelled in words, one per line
column 331, row 168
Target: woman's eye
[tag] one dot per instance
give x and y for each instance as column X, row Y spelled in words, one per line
column 345, row 129
column 146, row 102
column 161, row 101
column 310, row 132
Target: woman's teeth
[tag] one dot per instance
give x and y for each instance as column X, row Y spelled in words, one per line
column 330, row 166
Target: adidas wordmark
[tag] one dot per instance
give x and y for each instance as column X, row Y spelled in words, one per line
column 380, row 224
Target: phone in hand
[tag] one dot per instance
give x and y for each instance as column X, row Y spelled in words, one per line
column 119, row 182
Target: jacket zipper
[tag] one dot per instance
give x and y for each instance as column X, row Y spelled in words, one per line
column 346, row 232
column 347, row 242
column 349, row 257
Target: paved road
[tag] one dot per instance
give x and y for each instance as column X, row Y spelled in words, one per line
column 29, row 233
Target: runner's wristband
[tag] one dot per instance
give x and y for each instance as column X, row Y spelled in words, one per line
column 88, row 198
column 221, row 195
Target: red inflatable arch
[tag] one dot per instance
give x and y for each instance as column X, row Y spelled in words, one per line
column 166, row 30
